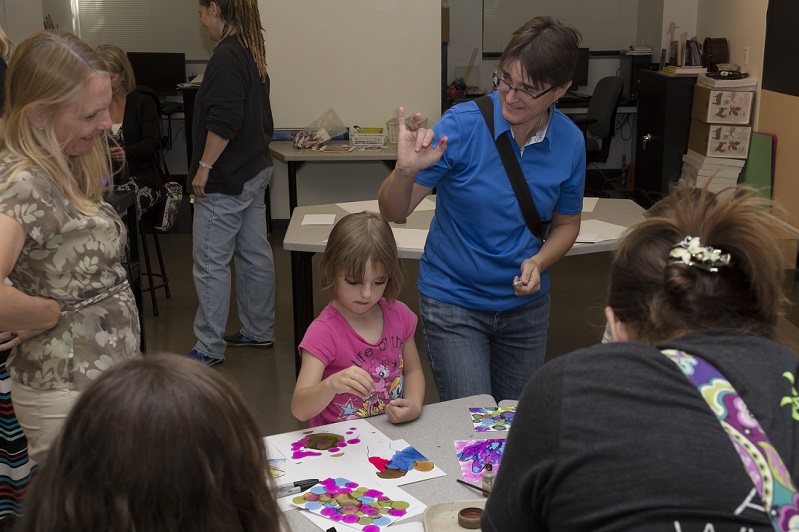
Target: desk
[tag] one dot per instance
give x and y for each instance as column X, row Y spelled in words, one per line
column 125, row 205
column 432, row 434
column 285, row 152
column 305, row 240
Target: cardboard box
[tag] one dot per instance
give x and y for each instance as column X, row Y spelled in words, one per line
column 719, row 140
column 444, row 24
column 715, row 106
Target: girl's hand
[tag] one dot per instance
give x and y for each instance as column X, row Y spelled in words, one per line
column 354, row 380
column 402, row 410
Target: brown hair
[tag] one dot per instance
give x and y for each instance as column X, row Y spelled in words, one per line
column 118, row 63
column 155, row 444
column 244, row 17
column 546, row 49
column 659, row 300
column 48, row 68
column 355, row 240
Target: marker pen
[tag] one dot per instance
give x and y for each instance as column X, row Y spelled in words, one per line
column 292, row 488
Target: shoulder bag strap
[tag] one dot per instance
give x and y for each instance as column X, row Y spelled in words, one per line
column 761, row 460
column 513, row 170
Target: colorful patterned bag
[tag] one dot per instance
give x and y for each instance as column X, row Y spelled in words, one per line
column 173, row 196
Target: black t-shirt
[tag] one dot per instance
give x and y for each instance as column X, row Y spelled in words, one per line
column 615, row 437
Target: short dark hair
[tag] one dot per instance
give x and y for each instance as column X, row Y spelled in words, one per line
column 355, row 240
column 660, row 300
column 547, row 50
column 160, row 443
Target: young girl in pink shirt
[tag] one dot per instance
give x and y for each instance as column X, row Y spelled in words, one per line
column 359, row 357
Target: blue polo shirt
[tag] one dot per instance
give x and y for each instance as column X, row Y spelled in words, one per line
column 478, row 238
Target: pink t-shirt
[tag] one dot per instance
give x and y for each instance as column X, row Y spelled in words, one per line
column 331, row 339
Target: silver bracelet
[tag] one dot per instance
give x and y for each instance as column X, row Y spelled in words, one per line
column 205, row 165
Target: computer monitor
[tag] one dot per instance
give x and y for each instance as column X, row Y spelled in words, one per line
column 580, row 76
column 160, row 71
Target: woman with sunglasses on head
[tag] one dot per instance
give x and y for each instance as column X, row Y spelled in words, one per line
column 484, row 288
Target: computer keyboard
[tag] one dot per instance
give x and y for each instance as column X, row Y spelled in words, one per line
column 573, row 97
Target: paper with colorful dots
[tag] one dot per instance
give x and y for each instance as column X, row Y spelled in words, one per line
column 333, row 440
column 361, row 507
column 494, row 419
column 473, row 456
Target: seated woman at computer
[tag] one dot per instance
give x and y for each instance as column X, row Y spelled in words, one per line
column 136, row 133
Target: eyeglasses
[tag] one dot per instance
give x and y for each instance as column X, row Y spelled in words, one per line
column 504, row 86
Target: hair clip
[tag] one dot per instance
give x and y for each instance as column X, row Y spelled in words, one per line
column 691, row 252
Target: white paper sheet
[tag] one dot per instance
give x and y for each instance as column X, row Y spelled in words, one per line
column 359, row 206
column 410, row 238
column 319, row 219
column 589, row 204
column 598, row 231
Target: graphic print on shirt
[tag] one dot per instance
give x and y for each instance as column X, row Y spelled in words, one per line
column 793, row 399
column 386, row 372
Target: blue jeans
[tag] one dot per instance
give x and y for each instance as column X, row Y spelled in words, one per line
column 478, row 351
column 226, row 227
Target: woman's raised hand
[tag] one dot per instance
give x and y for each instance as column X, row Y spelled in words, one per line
column 415, row 151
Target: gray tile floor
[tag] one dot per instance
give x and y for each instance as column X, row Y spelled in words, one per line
column 266, row 376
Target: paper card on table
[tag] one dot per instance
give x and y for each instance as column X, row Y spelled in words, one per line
column 492, row 419
column 589, row 204
column 597, row 231
column 360, row 506
column 319, row 219
column 473, row 456
column 425, row 205
column 360, row 206
column 336, row 439
column 399, row 464
column 410, row 238
column 277, row 467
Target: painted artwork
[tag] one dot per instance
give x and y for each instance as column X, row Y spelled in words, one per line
column 344, row 501
column 473, row 456
column 277, row 468
column 492, row 419
column 333, row 440
column 400, row 464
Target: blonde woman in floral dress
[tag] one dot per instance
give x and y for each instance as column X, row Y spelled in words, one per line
column 70, row 311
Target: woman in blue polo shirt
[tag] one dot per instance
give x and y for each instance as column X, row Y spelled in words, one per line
column 484, row 289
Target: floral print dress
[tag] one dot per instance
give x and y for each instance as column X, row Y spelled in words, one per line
column 74, row 259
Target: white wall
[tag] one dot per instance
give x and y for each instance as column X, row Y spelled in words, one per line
column 363, row 59
column 22, row 18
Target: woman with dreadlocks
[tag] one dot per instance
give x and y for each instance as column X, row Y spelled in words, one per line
column 229, row 172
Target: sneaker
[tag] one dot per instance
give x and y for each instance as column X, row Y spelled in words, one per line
column 239, row 340
column 205, row 359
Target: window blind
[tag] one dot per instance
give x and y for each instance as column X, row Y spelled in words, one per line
column 144, row 26
column 606, row 25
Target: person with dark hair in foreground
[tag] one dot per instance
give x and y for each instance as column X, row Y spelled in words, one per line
column 677, row 425
column 156, row 444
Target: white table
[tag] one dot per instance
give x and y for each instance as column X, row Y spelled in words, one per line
column 305, row 240
column 433, row 434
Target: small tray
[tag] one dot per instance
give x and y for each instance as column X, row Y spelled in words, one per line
column 443, row 517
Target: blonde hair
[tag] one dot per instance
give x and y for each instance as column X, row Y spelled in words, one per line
column 47, row 70
column 5, row 43
column 118, row 63
column 244, row 16
column 355, row 240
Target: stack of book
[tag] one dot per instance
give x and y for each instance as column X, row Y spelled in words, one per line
column 716, row 172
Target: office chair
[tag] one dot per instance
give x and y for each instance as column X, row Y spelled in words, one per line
column 148, row 224
column 599, row 123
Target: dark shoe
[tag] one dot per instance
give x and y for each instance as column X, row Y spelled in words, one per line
column 239, row 340
column 205, row 359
